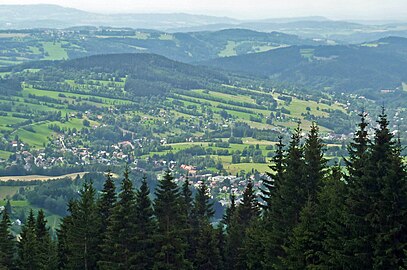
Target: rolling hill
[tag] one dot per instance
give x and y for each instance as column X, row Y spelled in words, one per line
column 17, row 46
column 363, row 69
column 54, row 16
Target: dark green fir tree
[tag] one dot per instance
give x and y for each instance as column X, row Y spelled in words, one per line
column 7, row 243
column 28, row 246
column 170, row 236
column 119, row 244
column 145, row 225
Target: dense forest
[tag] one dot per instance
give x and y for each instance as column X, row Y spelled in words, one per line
column 363, row 69
column 306, row 215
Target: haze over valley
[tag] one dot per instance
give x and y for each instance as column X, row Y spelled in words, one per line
column 188, row 140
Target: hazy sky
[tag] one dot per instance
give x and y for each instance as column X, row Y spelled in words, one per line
column 247, row 9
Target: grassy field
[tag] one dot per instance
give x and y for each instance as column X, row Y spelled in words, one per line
column 55, row 51
column 71, row 96
column 229, row 50
column 9, row 120
column 297, row 108
column 4, row 154
column 15, row 203
column 265, row 48
column 247, row 167
column 307, row 53
column 166, row 37
column 8, row 191
column 53, row 221
column 40, row 132
column 37, row 138
column 40, row 177
column 142, row 35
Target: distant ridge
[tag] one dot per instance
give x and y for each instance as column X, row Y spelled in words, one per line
column 54, row 16
column 311, row 27
column 363, row 69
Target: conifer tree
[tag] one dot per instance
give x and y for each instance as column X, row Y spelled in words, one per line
column 187, row 197
column 82, row 232
column 8, row 208
column 389, row 207
column 376, row 206
column 246, row 214
column 315, row 163
column 230, row 211
column 170, row 239
column 221, row 241
column 28, row 246
column 187, row 209
column 275, row 177
column 357, row 151
column 232, row 234
column 289, row 197
column 119, row 244
column 254, row 245
column 248, row 209
column 206, row 254
column 331, row 220
column 105, row 206
column 107, row 201
column 356, row 251
column 203, row 206
column 143, row 257
column 7, row 243
column 47, row 258
column 304, row 247
column 62, row 236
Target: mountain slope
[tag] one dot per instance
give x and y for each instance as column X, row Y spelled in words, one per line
column 360, row 69
column 144, row 74
column 25, row 45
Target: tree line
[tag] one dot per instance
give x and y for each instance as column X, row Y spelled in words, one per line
column 305, row 215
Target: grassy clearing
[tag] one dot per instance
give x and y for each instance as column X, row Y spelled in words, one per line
column 235, row 168
column 9, row 120
column 4, row 154
column 265, row 48
column 55, row 51
column 9, row 62
column 307, row 53
column 370, row 45
column 34, row 50
column 3, row 74
column 166, row 37
column 15, row 203
column 229, row 50
column 72, row 123
column 141, row 35
column 35, row 139
column 8, row 191
column 53, row 221
column 55, row 94
column 213, row 93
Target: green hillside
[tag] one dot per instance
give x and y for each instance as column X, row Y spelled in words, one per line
column 364, row 70
column 97, row 102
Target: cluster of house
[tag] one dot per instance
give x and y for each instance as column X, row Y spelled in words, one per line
column 220, row 186
column 81, row 155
